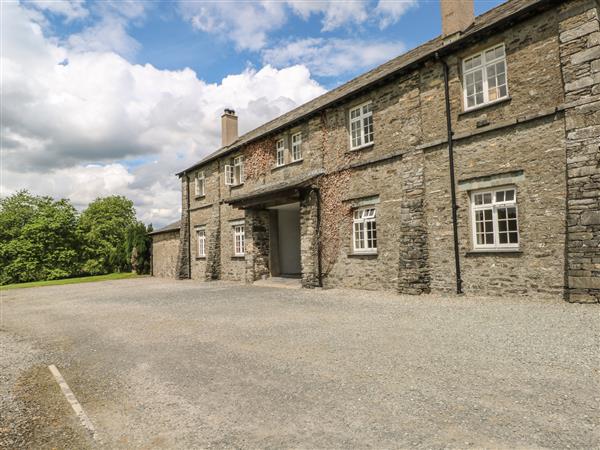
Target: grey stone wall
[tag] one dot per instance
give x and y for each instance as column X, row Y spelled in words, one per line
column 182, row 269
column 580, row 61
column 309, row 252
column 257, row 244
column 538, row 266
column 165, row 248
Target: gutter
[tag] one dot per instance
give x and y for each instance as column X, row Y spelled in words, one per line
column 452, row 177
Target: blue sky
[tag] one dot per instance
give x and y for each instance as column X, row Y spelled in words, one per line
column 168, row 41
column 115, row 97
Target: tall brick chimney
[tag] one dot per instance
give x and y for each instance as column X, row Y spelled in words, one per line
column 457, row 15
column 229, row 127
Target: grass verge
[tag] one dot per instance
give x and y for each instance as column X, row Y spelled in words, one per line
column 110, row 276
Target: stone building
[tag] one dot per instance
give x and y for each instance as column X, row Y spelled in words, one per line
column 469, row 164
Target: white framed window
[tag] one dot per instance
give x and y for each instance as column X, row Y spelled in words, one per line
column 280, row 153
column 229, row 180
column 494, row 218
column 484, row 77
column 365, row 230
column 238, row 169
column 234, row 173
column 296, row 147
column 239, row 240
column 199, row 184
column 201, row 242
column 361, row 126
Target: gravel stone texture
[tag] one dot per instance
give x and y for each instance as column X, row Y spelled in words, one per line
column 183, row 364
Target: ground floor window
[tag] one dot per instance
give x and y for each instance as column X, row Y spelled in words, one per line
column 365, row 230
column 239, row 240
column 201, row 241
column 494, row 218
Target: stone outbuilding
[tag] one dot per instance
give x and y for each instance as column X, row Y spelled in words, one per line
column 469, row 164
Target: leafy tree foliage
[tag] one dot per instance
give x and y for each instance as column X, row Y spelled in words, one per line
column 138, row 247
column 44, row 239
column 38, row 239
column 104, row 226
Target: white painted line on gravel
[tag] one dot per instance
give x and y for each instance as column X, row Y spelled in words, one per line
column 66, row 390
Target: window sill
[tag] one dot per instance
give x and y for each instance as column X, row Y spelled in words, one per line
column 362, row 147
column 495, row 251
column 292, row 163
column 486, row 105
column 366, row 255
column 235, row 186
column 238, row 257
column 200, row 197
column 200, row 258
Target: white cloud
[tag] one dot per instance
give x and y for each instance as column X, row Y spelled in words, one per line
column 110, row 34
column 390, row 11
column 69, row 9
column 82, row 124
column 244, row 23
column 333, row 57
column 334, row 13
column 248, row 24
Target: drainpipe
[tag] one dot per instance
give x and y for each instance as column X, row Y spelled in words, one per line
column 452, row 179
column 189, row 230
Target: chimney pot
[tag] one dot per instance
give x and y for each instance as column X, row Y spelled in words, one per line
column 457, row 16
column 229, row 127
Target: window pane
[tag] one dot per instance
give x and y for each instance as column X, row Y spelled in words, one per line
column 500, row 196
column 487, row 199
column 510, row 196
column 513, row 238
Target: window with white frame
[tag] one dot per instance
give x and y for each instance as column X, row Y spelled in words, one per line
column 199, row 186
column 201, row 242
column 365, row 230
column 296, row 147
column 484, row 77
column 494, row 216
column 361, row 126
column 279, row 153
column 234, row 173
column 239, row 240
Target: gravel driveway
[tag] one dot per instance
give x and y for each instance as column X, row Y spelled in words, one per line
column 164, row 364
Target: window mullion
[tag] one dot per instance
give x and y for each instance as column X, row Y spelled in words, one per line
column 495, row 225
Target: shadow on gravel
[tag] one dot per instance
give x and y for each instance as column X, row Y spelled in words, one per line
column 39, row 415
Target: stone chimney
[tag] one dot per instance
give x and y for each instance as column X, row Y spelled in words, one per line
column 457, row 16
column 229, row 127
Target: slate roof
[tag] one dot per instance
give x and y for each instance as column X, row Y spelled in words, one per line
column 171, row 227
column 496, row 17
column 273, row 188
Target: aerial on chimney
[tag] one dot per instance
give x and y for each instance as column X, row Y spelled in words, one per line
column 229, row 127
column 457, row 16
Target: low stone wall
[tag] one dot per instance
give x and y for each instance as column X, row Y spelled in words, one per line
column 165, row 247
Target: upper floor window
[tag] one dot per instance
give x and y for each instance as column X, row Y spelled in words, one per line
column 234, row 173
column 484, row 77
column 279, row 153
column 201, row 242
column 296, row 147
column 361, row 126
column 494, row 216
column 200, row 184
column 239, row 240
column 365, row 231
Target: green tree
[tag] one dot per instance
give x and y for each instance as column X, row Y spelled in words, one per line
column 138, row 247
column 103, row 228
column 38, row 238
